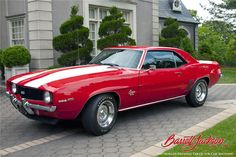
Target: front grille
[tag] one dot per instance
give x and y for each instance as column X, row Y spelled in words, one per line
column 30, row 93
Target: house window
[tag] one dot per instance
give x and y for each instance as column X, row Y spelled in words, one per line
column 93, row 36
column 93, row 13
column 126, row 17
column 17, row 31
column 103, row 13
column 96, row 14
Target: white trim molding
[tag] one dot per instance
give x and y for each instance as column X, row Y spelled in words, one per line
column 151, row 103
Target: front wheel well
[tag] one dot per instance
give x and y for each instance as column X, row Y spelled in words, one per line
column 114, row 94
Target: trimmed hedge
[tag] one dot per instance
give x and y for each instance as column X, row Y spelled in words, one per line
column 70, row 58
column 110, row 27
column 74, row 23
column 114, row 40
column 113, row 32
column 16, row 56
column 74, row 41
column 70, row 41
column 173, row 36
column 55, row 67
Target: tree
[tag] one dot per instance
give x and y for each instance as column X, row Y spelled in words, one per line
column 217, row 39
column 225, row 30
column 226, row 10
column 208, row 36
column 73, row 41
column 113, row 31
column 193, row 13
column 173, row 36
column 231, row 52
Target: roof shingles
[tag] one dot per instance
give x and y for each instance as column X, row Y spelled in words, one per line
column 165, row 11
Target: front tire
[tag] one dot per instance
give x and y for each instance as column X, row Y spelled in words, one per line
column 198, row 94
column 100, row 114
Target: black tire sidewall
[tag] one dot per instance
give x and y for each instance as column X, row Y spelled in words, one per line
column 91, row 114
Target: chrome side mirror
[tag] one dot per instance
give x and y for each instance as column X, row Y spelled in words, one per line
column 153, row 67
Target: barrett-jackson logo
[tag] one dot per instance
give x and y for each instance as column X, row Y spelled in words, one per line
column 191, row 142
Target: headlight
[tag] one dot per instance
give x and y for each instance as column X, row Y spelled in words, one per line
column 47, row 97
column 13, row 88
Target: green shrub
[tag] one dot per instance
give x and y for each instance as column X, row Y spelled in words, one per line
column 173, row 36
column 54, row 67
column 73, row 40
column 16, row 56
column 2, row 66
column 205, row 48
column 214, row 56
column 206, row 53
column 68, row 59
column 113, row 32
column 186, row 45
column 231, row 53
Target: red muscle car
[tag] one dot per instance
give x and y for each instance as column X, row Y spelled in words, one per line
column 118, row 79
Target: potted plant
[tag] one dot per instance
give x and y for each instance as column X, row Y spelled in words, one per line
column 16, row 60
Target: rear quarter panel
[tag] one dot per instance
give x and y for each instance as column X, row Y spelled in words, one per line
column 208, row 69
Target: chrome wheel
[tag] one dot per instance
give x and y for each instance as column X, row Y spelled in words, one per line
column 105, row 113
column 201, row 91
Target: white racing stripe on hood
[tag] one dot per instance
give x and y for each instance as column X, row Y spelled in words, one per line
column 67, row 74
column 26, row 77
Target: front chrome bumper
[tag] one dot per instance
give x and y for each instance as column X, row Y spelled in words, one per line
column 28, row 106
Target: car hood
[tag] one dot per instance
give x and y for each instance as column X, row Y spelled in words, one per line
column 63, row 75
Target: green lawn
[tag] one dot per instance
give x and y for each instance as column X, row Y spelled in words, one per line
column 225, row 129
column 229, row 75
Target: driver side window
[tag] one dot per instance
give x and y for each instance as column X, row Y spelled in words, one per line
column 159, row 60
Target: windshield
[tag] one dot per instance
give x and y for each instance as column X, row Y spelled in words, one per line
column 118, row 57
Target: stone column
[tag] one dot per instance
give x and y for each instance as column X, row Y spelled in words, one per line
column 155, row 22
column 196, row 37
column 40, row 33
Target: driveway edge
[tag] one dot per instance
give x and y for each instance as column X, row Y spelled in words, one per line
column 230, row 109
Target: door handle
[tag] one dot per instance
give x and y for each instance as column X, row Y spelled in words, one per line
column 178, row 73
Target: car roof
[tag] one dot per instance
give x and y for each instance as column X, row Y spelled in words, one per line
column 144, row 48
column 183, row 53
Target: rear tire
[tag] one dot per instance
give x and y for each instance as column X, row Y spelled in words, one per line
column 100, row 114
column 198, row 94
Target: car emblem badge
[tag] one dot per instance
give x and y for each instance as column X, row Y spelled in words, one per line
column 132, row 92
column 22, row 92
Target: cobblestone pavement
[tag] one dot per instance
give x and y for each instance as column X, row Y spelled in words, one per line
column 222, row 92
column 135, row 129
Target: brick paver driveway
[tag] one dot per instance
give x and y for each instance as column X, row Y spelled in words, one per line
column 135, row 129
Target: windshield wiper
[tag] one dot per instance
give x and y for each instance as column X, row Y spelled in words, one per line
column 111, row 64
